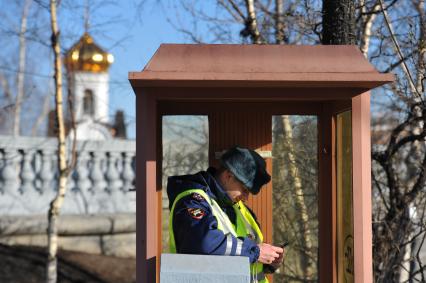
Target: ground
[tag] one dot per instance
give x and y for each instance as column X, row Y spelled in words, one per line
column 27, row 265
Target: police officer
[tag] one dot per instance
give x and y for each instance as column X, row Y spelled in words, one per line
column 208, row 214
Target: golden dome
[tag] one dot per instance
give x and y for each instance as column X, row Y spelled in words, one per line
column 87, row 56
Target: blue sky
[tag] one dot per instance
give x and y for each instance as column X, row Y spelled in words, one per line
column 145, row 27
column 131, row 31
column 144, row 30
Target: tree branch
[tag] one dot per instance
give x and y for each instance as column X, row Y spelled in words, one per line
column 252, row 28
column 236, row 9
column 399, row 62
column 399, row 52
column 368, row 21
column 379, row 188
column 21, row 69
column 70, row 97
column 372, row 11
column 420, row 183
column 6, row 89
column 279, row 22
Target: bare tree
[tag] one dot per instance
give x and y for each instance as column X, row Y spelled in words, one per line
column 21, row 67
column 400, row 157
column 367, row 18
column 17, row 80
column 63, row 168
column 185, row 151
column 25, row 55
column 295, row 181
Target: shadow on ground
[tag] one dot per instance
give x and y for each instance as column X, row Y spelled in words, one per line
column 20, row 264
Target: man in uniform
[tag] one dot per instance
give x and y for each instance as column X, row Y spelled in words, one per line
column 208, row 215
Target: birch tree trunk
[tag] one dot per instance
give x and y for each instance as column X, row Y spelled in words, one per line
column 367, row 25
column 421, row 64
column 279, row 22
column 307, row 262
column 406, row 271
column 56, row 204
column 21, row 69
column 252, row 22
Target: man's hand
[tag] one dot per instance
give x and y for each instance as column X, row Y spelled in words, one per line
column 270, row 254
column 278, row 261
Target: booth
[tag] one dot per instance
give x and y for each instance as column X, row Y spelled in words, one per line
column 239, row 88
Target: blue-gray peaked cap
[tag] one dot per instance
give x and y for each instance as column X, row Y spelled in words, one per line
column 247, row 166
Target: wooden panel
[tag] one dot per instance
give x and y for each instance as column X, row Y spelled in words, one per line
column 146, row 191
column 327, row 197
column 206, row 107
column 340, row 106
column 198, row 59
column 159, row 168
column 252, row 130
column 361, row 144
column 176, row 65
column 256, row 94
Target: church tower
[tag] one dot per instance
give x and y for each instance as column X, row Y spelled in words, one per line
column 87, row 65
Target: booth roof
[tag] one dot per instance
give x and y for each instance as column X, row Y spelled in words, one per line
column 229, row 65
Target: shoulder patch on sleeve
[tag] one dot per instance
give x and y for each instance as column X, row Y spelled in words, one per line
column 198, row 197
column 196, row 213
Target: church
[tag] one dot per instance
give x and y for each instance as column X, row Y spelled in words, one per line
column 87, row 66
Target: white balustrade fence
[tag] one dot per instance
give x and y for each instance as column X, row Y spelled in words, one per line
column 100, row 182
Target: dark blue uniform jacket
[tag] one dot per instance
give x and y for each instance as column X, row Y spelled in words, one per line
column 194, row 226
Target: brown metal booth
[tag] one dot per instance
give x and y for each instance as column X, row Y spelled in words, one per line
column 240, row 87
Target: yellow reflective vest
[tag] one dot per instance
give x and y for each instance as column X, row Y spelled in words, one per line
column 245, row 226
